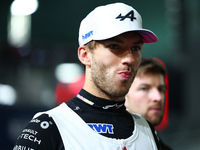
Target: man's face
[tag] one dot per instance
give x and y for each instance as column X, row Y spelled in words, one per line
column 114, row 63
column 147, row 96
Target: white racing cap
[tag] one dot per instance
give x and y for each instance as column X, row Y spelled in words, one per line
column 108, row 21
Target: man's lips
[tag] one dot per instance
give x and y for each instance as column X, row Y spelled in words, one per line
column 125, row 74
column 156, row 109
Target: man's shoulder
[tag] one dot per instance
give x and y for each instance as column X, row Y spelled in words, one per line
column 37, row 134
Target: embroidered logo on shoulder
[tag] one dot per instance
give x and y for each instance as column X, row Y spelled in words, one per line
column 129, row 15
column 35, row 120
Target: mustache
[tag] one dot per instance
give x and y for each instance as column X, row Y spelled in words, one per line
column 158, row 105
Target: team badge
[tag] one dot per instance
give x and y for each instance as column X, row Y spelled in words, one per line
column 129, row 15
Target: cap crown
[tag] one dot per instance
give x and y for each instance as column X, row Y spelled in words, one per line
column 107, row 21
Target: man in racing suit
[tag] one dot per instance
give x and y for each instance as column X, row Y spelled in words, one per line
column 110, row 43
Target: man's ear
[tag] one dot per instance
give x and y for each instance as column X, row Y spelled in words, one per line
column 84, row 55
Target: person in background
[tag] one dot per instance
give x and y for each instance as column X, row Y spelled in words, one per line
column 111, row 38
column 146, row 95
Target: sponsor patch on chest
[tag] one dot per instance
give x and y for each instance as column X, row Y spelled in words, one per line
column 102, row 128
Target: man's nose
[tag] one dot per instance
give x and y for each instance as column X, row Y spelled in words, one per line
column 128, row 57
column 156, row 95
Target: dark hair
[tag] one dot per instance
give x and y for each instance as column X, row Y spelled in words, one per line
column 91, row 45
column 149, row 65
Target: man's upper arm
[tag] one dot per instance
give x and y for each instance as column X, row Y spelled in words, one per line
column 41, row 133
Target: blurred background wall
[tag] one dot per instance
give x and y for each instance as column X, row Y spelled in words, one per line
column 30, row 62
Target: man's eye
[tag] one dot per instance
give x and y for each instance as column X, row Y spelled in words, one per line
column 162, row 89
column 113, row 46
column 143, row 89
column 136, row 48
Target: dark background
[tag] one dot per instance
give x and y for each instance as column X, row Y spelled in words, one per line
column 54, row 40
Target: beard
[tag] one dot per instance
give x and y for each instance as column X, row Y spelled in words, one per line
column 102, row 78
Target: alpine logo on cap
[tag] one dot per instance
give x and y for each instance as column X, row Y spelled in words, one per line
column 129, row 15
